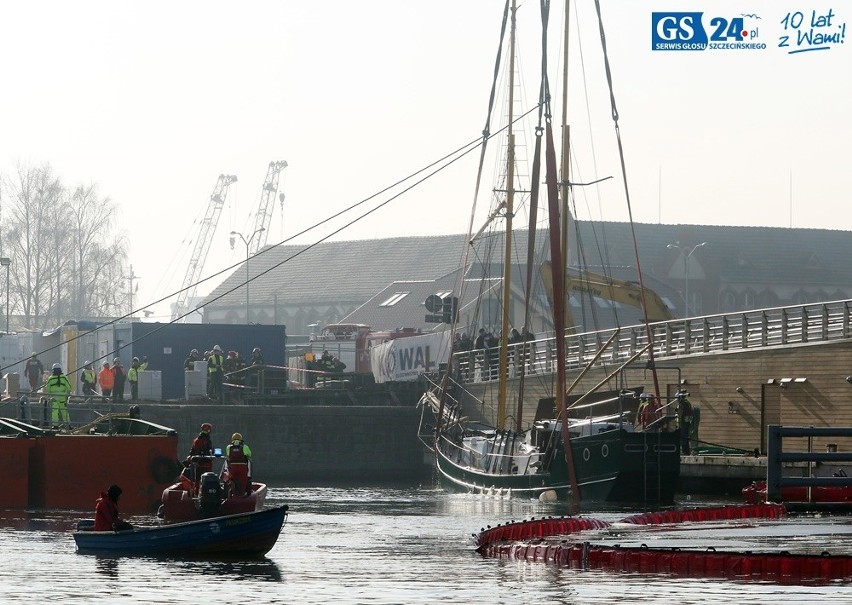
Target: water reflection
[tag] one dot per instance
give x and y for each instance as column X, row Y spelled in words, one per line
column 262, row 569
column 107, row 566
column 52, row 521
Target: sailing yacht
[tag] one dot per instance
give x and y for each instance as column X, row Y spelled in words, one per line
column 592, row 447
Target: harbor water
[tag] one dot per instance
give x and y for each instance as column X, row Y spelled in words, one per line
column 395, row 545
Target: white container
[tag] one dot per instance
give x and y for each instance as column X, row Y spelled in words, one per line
column 151, row 385
column 195, row 384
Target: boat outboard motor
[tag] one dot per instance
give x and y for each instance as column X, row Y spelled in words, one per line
column 211, row 493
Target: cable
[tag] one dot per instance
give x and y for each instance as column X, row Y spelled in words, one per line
column 442, row 163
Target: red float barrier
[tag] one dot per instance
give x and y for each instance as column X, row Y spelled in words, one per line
column 780, row 567
column 719, row 513
column 537, row 528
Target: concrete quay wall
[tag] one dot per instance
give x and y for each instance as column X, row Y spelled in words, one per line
column 371, row 444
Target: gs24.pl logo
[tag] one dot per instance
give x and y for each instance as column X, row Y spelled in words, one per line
column 686, row 31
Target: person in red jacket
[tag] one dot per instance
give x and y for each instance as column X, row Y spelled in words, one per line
column 203, row 446
column 199, row 460
column 106, row 511
column 238, row 474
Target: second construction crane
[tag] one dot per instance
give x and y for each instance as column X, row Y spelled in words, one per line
column 202, row 244
column 264, row 210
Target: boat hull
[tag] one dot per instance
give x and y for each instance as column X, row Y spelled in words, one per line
column 179, row 506
column 614, row 466
column 245, row 535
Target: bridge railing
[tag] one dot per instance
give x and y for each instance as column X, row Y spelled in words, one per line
column 760, row 328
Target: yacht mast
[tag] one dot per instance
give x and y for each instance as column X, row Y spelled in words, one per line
column 507, row 260
column 564, row 179
column 564, row 322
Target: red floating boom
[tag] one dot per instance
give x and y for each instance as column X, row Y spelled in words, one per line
column 777, row 567
column 544, row 527
column 717, row 513
column 537, row 528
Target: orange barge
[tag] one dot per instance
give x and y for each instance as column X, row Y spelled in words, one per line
column 42, row 468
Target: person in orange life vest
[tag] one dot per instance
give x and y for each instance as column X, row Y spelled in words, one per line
column 107, row 380
column 239, row 465
column 648, row 411
column 106, row 511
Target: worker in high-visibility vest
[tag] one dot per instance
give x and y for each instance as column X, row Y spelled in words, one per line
column 238, row 473
column 88, row 379
column 216, row 372
column 58, row 387
column 684, row 421
column 133, row 379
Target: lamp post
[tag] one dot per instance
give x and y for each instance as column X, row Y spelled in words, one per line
column 6, row 262
column 686, row 252
column 247, row 242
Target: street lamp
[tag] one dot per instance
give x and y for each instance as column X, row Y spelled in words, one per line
column 686, row 252
column 6, row 262
column 247, row 242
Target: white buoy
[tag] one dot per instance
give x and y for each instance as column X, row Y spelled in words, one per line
column 548, row 496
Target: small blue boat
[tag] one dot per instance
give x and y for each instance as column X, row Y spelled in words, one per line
column 250, row 534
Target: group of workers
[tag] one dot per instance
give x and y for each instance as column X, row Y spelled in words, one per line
column 485, row 349
column 237, row 470
column 111, row 380
column 649, row 412
column 236, row 475
column 218, row 366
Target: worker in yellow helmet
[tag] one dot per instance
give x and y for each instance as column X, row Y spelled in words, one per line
column 238, row 454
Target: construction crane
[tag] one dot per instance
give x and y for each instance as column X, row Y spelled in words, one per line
column 264, row 210
column 202, row 244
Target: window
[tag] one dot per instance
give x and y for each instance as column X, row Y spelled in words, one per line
column 491, row 312
column 729, row 302
column 397, row 296
column 696, row 303
column 767, row 298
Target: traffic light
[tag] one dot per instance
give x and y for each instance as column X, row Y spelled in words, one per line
column 449, row 309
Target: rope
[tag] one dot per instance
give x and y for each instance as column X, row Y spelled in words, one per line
column 442, row 163
column 627, row 194
column 466, row 247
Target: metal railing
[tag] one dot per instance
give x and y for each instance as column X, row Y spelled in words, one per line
column 817, row 322
column 776, row 456
column 36, row 408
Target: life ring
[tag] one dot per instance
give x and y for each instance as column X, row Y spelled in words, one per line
column 164, row 470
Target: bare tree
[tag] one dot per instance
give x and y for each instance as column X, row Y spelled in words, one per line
column 66, row 262
column 90, row 222
column 34, row 194
column 107, row 263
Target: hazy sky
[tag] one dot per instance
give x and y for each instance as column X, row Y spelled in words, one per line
column 154, row 100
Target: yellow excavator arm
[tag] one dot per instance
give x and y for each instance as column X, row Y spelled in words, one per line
column 625, row 292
